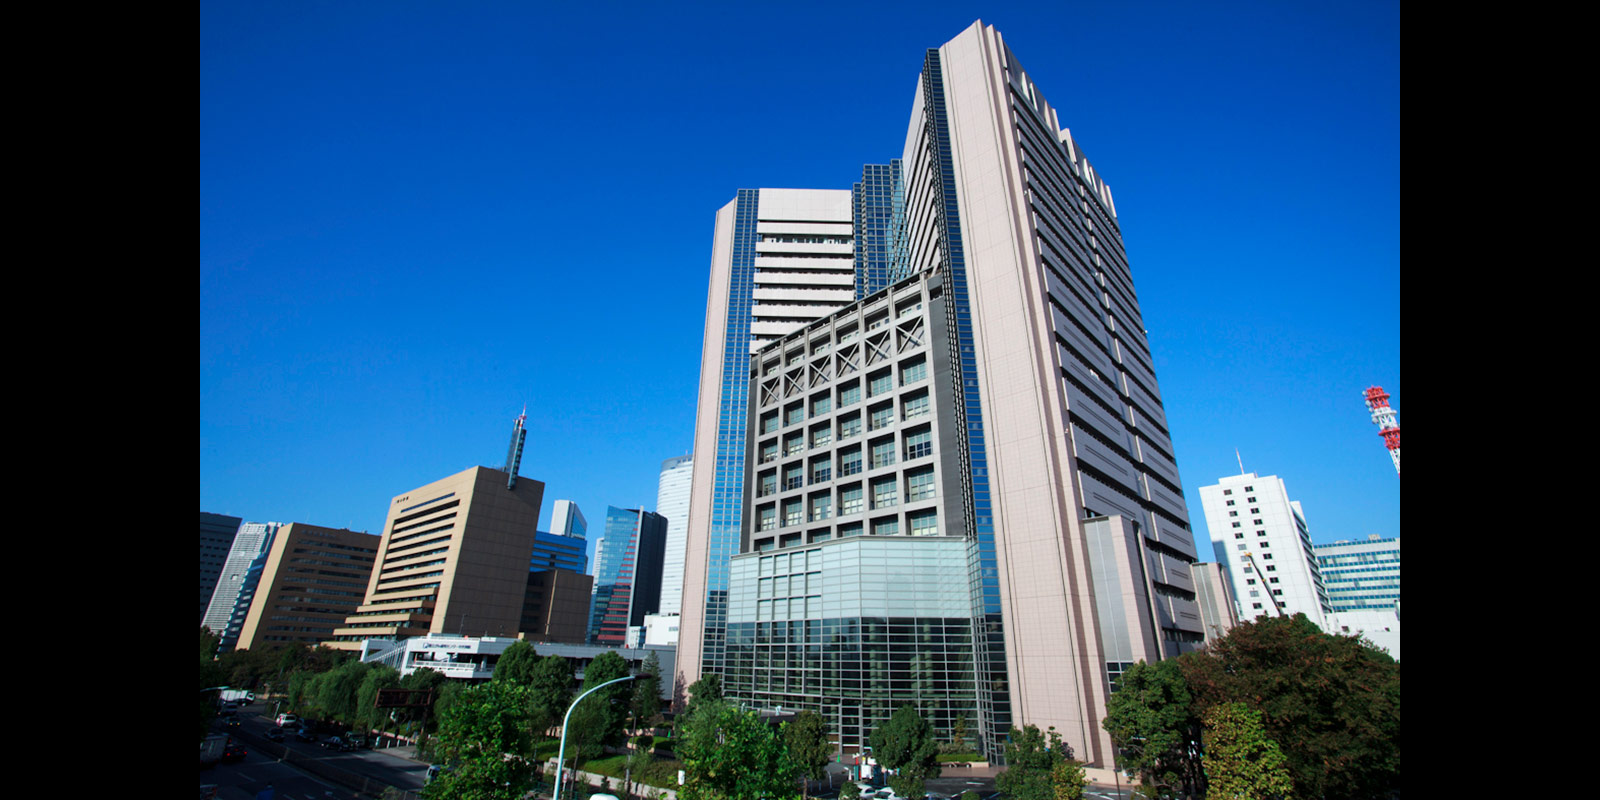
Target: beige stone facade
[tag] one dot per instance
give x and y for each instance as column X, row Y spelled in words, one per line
column 454, row 559
column 312, row 579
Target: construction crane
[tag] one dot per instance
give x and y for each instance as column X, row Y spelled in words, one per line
column 1387, row 421
column 1263, row 576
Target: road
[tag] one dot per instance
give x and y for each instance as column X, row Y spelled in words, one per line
column 243, row 780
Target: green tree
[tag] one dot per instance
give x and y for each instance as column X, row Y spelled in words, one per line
column 1067, row 780
column 1155, row 727
column 337, row 691
column 806, row 739
column 550, row 692
column 613, row 701
column 369, row 716
column 517, row 663
column 708, row 688
column 211, row 675
column 1332, row 703
column 906, row 744
column 850, row 791
column 646, row 705
column 484, row 737
column 1241, row 763
column 730, row 754
column 1032, row 759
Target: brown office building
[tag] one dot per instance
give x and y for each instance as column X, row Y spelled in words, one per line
column 455, row 558
column 312, row 580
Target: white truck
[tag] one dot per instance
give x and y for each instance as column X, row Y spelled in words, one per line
column 211, row 749
column 239, row 696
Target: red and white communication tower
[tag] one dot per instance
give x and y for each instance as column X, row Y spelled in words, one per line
column 1388, row 423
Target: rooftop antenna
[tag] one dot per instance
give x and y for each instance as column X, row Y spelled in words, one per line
column 1388, row 423
column 1241, row 460
column 519, row 434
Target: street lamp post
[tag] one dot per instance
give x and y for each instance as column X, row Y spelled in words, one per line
column 561, row 754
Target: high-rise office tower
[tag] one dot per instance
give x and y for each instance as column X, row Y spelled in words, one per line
column 672, row 502
column 627, row 578
column 1361, row 575
column 236, row 583
column 1053, row 472
column 312, row 579
column 1261, row 536
column 567, row 520
column 780, row 258
column 455, row 558
column 216, row 540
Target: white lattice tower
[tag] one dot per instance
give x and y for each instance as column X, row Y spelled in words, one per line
column 1387, row 421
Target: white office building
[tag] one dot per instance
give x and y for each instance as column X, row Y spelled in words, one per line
column 672, row 502
column 1263, row 539
column 250, row 547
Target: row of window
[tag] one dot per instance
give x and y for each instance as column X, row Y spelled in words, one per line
column 917, row 443
column 924, row 522
column 912, row 371
column 880, row 417
column 885, row 491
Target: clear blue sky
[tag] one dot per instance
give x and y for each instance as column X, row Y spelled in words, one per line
column 415, row 218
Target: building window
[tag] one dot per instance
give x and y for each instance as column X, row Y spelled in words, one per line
column 821, row 507
column 769, row 451
column 849, row 426
column 769, row 422
column 880, row 416
column 889, row 526
column 884, row 492
column 791, row 512
column 880, row 383
column 919, row 484
column 914, row 370
column 849, row 462
column 916, row 406
column 821, row 404
column 850, row 499
column 923, row 523
column 795, row 412
column 791, row 477
column 769, row 484
column 850, row 529
column 794, row 444
column 883, row 453
column 919, row 444
column 850, row 393
column 767, row 517
column 821, row 470
column 821, row 435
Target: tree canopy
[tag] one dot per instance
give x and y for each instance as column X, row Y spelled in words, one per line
column 1332, row 703
column 1155, row 727
column 1240, row 761
column 906, row 743
column 484, row 738
column 730, row 754
column 806, row 739
column 1039, row 766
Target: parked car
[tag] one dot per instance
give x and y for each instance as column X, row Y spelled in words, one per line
column 305, row 734
column 357, row 741
column 335, row 743
column 275, row 735
column 288, row 720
